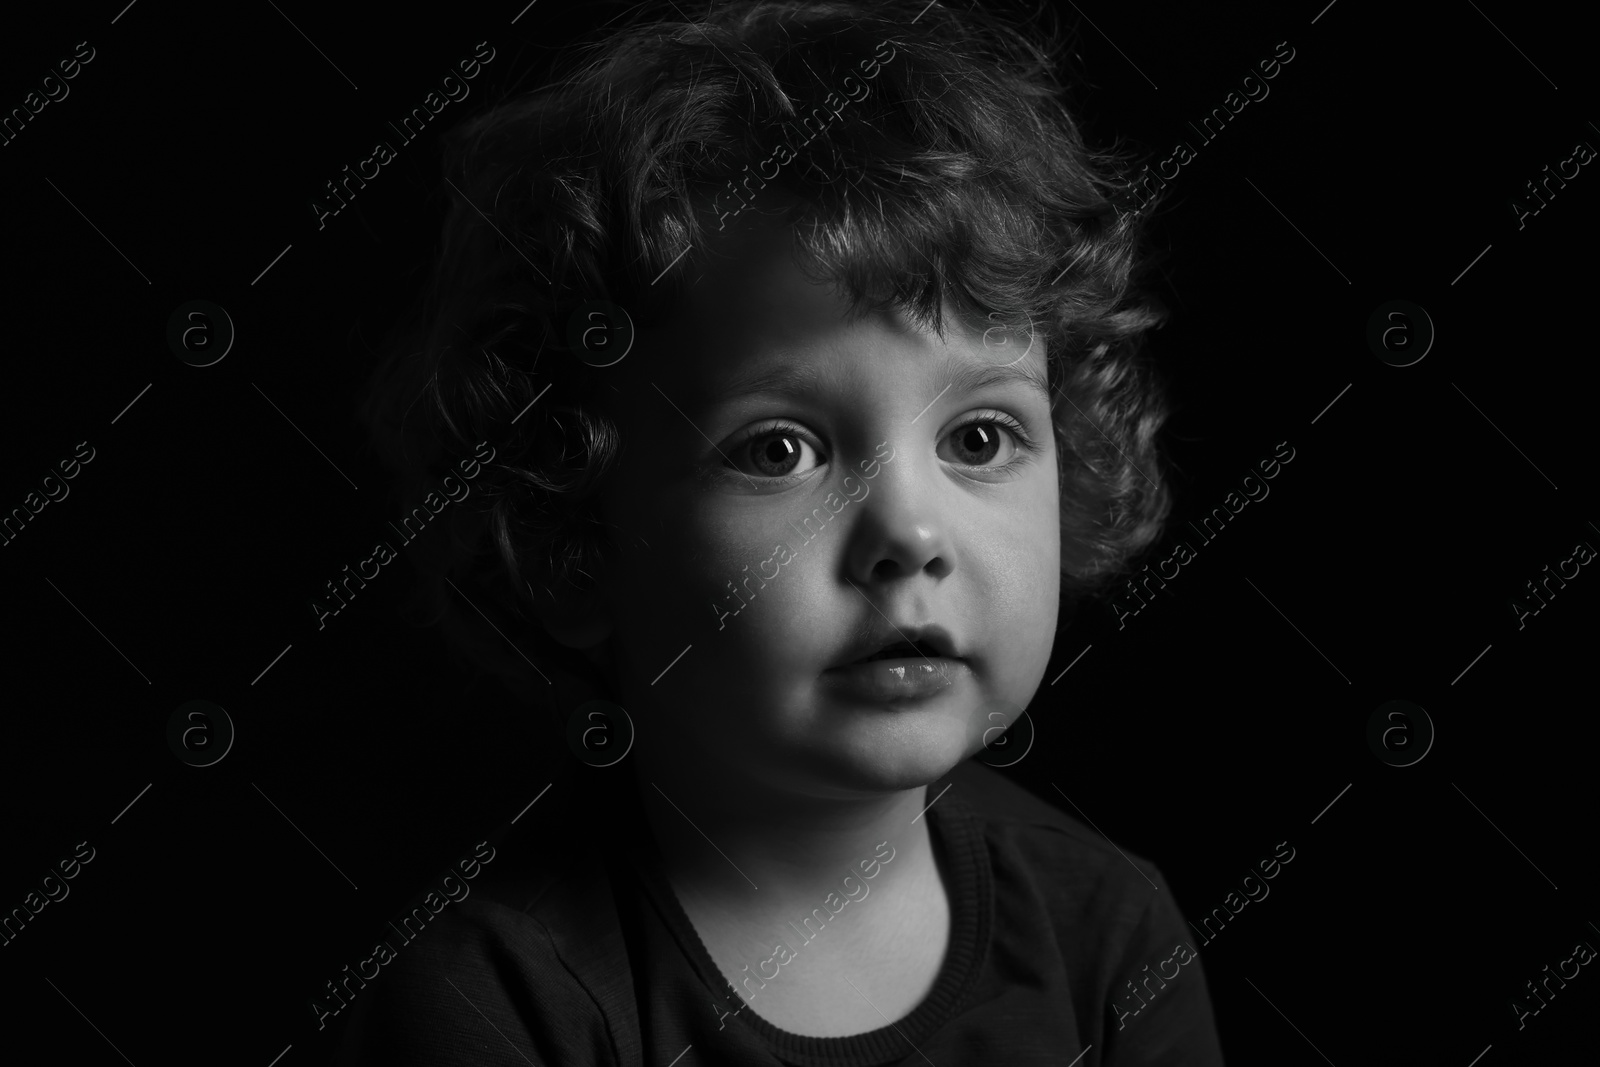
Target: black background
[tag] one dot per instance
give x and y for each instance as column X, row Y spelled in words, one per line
column 1221, row 720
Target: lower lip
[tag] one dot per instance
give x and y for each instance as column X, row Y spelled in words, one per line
column 897, row 679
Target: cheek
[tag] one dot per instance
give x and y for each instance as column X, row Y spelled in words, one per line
column 703, row 577
column 1044, row 518
column 770, row 603
column 1031, row 536
column 1047, row 560
column 741, row 693
column 1021, row 600
column 1021, row 586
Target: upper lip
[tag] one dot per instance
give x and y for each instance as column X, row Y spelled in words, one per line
column 934, row 639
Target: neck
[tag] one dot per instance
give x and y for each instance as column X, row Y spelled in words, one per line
column 735, row 841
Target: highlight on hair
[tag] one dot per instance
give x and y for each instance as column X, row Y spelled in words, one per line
column 958, row 178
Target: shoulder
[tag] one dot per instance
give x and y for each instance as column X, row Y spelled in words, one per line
column 1012, row 812
column 1104, row 912
column 1068, row 867
column 523, row 963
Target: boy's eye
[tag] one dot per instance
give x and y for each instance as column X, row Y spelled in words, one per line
column 775, row 452
column 781, row 451
column 978, row 442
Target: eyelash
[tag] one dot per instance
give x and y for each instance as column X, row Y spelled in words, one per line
column 1027, row 447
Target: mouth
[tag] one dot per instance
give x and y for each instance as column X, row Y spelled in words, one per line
column 903, row 668
column 904, row 650
column 895, row 678
column 908, row 641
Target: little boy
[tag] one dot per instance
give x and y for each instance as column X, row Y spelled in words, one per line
column 834, row 311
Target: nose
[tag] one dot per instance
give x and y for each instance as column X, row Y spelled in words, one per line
column 900, row 530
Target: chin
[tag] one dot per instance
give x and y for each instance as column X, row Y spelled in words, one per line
column 900, row 755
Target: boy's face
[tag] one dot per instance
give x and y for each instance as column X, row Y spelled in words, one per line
column 924, row 509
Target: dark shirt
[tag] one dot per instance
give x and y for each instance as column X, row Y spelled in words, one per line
column 575, row 952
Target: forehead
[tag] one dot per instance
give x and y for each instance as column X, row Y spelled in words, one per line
column 753, row 321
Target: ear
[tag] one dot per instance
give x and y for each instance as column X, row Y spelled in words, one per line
column 574, row 618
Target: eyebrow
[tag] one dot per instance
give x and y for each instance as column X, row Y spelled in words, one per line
column 964, row 377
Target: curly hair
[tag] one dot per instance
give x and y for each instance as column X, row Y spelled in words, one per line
column 959, row 175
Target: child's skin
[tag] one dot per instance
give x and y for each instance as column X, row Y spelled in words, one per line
column 792, row 783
